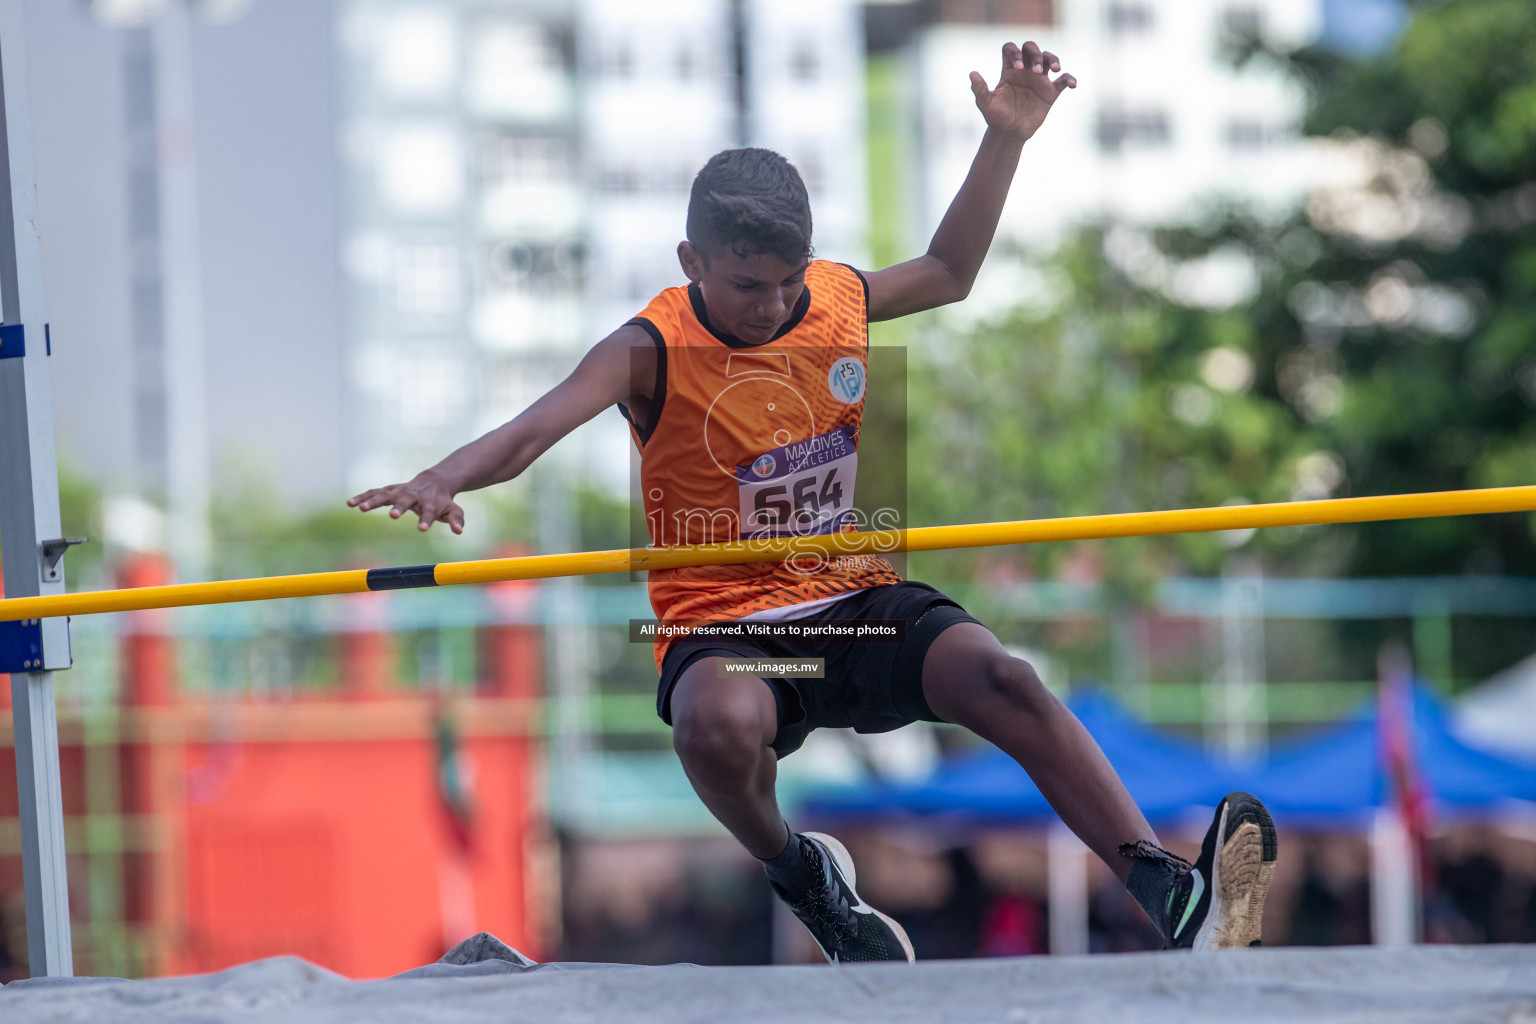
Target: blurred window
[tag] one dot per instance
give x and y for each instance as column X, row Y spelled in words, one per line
column 427, row 280
column 621, row 177
column 539, row 159
column 616, row 59
column 536, row 266
column 416, row 54
column 682, row 175
column 638, row 275
column 636, row 174
column 421, row 169
column 510, row 386
column 519, row 69
column 431, row 389
column 426, row 389
column 1124, row 19
column 812, row 171
column 805, row 60
column 1245, row 134
column 687, row 61
column 1145, row 129
column 637, row 286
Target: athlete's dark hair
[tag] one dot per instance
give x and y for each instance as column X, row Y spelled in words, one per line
column 751, row 201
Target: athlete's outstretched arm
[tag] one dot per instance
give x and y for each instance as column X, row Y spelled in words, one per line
column 609, row 373
column 1014, row 111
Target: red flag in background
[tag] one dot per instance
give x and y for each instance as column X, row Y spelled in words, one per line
column 1399, row 755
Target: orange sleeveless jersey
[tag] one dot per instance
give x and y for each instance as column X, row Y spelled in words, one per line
column 756, row 440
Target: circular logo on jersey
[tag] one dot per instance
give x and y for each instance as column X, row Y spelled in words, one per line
column 764, row 466
column 846, row 380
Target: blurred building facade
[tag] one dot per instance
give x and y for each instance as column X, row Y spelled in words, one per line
column 418, row 227
column 1162, row 121
column 1162, row 126
column 516, row 176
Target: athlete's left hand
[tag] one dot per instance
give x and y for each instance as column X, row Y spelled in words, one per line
column 1024, row 93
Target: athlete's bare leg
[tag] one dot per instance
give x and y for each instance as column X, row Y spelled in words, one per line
column 722, row 728
column 970, row 680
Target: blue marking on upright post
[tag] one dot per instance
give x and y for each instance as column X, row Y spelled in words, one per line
column 13, row 341
column 21, row 646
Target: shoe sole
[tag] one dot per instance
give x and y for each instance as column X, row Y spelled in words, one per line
column 844, row 861
column 1242, row 870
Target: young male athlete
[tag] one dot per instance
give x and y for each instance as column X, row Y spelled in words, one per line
column 744, row 392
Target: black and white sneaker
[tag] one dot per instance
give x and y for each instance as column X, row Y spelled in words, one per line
column 847, row 929
column 1218, row 902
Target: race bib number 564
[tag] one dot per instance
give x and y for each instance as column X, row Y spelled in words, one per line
column 803, row 488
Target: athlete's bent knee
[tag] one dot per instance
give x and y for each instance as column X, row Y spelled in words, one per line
column 718, row 733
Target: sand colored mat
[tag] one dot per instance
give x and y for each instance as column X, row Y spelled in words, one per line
column 1441, row 984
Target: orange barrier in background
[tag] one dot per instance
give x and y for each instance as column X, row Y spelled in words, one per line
column 256, row 826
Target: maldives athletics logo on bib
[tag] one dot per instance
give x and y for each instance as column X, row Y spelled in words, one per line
column 765, row 465
column 846, row 380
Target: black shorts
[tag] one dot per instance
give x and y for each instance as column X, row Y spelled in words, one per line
column 870, row 686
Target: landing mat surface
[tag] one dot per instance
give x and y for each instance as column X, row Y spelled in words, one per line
column 1443, row 984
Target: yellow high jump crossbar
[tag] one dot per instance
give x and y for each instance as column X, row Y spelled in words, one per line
column 926, row 538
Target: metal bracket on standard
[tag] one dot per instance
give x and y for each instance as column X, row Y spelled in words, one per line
column 21, row 645
column 53, row 551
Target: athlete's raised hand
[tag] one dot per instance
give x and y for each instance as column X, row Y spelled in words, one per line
column 428, row 495
column 1024, row 93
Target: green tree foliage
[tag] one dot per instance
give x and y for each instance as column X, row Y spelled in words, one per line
column 1388, row 344
column 80, row 516
column 252, row 536
column 1113, row 399
column 1423, row 297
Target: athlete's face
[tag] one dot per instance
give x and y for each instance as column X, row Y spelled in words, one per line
column 748, row 296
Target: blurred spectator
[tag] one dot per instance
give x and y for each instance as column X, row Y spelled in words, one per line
column 1487, row 887
column 670, row 901
column 1013, row 927
column 1332, row 905
column 664, row 901
column 1116, row 924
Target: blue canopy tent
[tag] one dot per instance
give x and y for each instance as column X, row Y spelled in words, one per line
column 1461, row 776
column 1335, row 776
column 1165, row 773
column 1329, row 777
